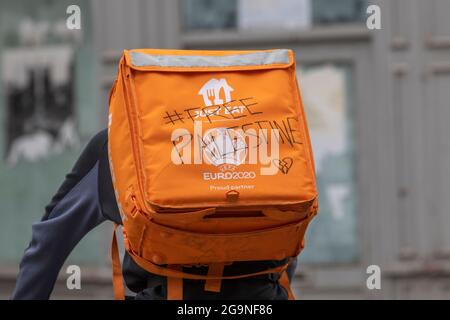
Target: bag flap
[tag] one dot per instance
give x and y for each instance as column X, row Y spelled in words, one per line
column 198, row 60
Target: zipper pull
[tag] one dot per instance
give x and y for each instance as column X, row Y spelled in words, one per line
column 131, row 205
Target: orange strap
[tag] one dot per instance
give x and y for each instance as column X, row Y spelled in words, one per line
column 214, row 270
column 170, row 272
column 284, row 282
column 119, row 290
column 175, row 286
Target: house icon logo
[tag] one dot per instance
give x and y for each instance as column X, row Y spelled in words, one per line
column 211, row 92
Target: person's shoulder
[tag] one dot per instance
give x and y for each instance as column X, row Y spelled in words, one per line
column 95, row 145
column 100, row 138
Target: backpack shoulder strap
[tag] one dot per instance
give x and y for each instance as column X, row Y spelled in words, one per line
column 284, row 282
column 119, row 290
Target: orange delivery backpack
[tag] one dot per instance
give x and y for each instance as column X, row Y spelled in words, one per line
column 211, row 163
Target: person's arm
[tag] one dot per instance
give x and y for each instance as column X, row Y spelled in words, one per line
column 72, row 213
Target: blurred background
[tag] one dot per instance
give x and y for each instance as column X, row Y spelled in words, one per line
column 377, row 103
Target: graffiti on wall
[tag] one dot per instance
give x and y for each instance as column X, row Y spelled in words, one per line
column 39, row 94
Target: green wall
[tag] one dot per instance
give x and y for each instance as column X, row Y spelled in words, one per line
column 26, row 188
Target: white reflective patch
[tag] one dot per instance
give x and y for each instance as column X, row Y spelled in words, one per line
column 280, row 56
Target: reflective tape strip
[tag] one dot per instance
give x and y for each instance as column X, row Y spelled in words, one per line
column 280, row 56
